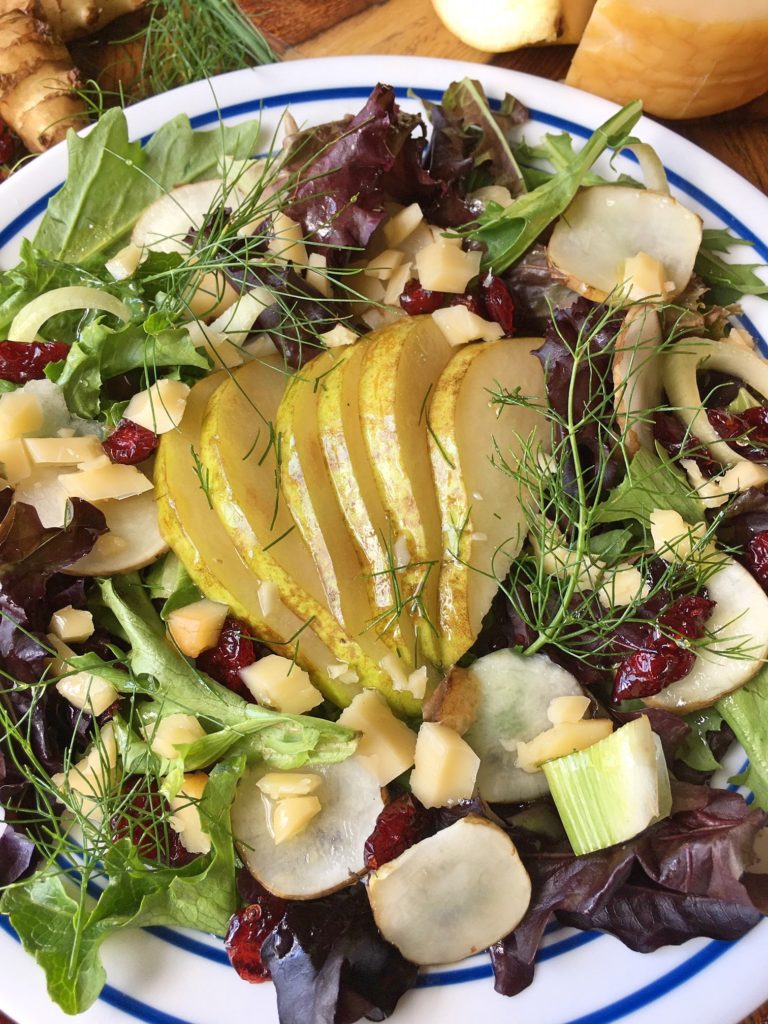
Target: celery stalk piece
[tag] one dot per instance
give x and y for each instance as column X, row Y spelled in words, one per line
column 612, row 790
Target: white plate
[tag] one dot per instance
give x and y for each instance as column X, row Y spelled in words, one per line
column 165, row 977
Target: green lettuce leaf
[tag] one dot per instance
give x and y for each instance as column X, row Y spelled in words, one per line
column 652, row 482
column 746, row 711
column 694, row 749
column 66, row 938
column 112, row 180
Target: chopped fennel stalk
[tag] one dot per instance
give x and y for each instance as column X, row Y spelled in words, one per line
column 613, row 790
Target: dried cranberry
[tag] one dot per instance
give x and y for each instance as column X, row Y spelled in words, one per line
column 402, row 823
column 688, row 615
column 648, row 671
column 8, row 145
column 145, row 823
column 21, row 361
column 756, row 557
column 498, row 304
column 727, row 424
column 679, row 443
column 756, row 422
column 234, row 651
column 473, row 300
column 747, row 431
column 416, row 300
column 248, row 929
column 130, row 443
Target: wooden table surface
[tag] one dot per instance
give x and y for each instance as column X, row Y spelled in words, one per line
column 321, row 28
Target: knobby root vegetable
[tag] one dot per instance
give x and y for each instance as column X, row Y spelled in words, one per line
column 37, row 79
column 71, row 19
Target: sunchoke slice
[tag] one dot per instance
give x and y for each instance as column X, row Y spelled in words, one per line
column 328, row 854
column 637, row 376
column 608, row 224
column 735, row 647
column 451, row 895
column 680, row 366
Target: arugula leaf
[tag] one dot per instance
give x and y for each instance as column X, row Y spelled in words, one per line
column 508, row 233
column 66, row 937
column 557, row 150
column 651, row 482
column 746, row 711
column 101, row 353
column 727, row 281
column 111, row 180
column 720, row 240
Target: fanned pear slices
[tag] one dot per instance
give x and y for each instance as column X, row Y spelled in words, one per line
column 352, row 475
column 193, row 530
column 736, row 643
column 312, row 499
column 329, row 853
column 451, row 895
column 401, row 366
column 240, row 455
column 482, row 517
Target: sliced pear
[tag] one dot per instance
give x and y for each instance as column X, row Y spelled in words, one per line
column 166, row 223
column 737, row 625
column 353, row 478
column 239, row 453
column 133, row 539
column 481, row 505
column 608, row 224
column 194, row 532
column 451, row 895
column 401, row 367
column 637, row 376
column 328, row 854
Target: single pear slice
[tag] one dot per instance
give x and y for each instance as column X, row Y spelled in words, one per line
column 353, row 478
column 734, row 649
column 451, row 895
column 193, row 530
column 240, row 453
column 473, row 445
column 133, row 541
column 329, row 853
column 401, row 366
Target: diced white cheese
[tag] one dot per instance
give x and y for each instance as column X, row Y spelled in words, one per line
column 171, row 732
column 98, row 462
column 384, row 265
column 278, row 785
column 403, row 224
column 59, row 663
column 196, row 627
column 88, row 692
column 338, row 336
column 269, row 598
column 386, row 743
column 20, row 413
column 185, row 817
column 124, row 263
column 417, row 682
column 396, row 284
column 288, row 241
column 290, row 817
column 444, row 267
column 460, row 326
column 279, row 683
column 316, row 274
column 561, row 739
column 72, row 624
column 567, row 709
column 643, row 276
column 159, row 408
column 15, row 459
column 104, row 482
column 63, row 451
column 445, row 767
column 674, row 540
column 86, row 783
column 621, row 586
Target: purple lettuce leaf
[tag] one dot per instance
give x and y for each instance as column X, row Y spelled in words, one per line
column 17, row 854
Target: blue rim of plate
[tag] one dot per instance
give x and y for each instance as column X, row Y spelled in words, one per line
column 662, row 985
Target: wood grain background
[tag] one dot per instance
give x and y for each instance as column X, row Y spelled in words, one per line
column 319, row 28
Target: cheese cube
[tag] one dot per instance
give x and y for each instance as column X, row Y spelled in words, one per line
column 88, row 692
column 279, row 683
column 316, row 274
column 460, row 325
column 59, row 662
column 196, row 627
column 171, row 732
column 15, row 460
column 288, row 241
column 643, row 276
column 338, row 336
column 124, row 262
column 159, row 408
column 72, row 624
column 86, row 783
column 444, row 267
column 20, row 413
column 278, row 785
column 103, row 482
column 384, row 265
column 403, row 224
column 185, row 817
column 567, row 709
column 673, row 539
column 63, row 451
column 386, row 743
column 562, row 739
column 445, row 767
column 290, row 817
column 396, row 284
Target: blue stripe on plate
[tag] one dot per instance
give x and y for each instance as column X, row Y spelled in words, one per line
column 615, row 1011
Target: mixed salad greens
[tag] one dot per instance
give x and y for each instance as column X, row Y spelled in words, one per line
column 383, row 553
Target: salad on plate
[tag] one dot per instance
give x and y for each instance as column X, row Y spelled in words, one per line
column 383, row 553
